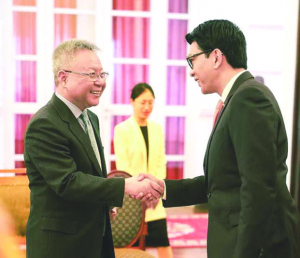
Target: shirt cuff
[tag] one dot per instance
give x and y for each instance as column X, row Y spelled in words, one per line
column 165, row 191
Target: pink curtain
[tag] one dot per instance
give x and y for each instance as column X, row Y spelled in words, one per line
column 175, row 130
column 65, row 28
column 21, row 122
column 25, row 2
column 176, row 85
column 132, row 5
column 131, row 37
column 131, row 40
column 25, row 44
column 126, row 76
column 25, row 81
column 24, row 24
column 178, row 6
column 65, row 3
column 25, row 33
column 176, row 39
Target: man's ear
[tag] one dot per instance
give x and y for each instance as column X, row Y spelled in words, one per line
column 217, row 58
column 62, row 77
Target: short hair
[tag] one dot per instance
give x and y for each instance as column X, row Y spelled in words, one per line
column 224, row 35
column 65, row 52
column 139, row 89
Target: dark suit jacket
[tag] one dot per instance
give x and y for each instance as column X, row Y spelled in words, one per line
column 251, row 212
column 69, row 191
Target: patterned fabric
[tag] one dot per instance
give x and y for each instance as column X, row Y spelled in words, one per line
column 89, row 130
column 128, row 222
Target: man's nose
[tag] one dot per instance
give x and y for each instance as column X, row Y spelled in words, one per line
column 192, row 73
column 100, row 82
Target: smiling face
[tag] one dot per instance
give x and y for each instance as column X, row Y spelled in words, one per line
column 142, row 106
column 202, row 71
column 79, row 89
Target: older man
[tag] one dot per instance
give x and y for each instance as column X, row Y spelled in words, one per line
column 70, row 193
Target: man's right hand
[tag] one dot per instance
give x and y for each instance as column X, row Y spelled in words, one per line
column 147, row 198
column 147, row 187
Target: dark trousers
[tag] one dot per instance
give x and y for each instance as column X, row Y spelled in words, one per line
column 104, row 251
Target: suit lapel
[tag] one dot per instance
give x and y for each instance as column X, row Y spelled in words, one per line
column 240, row 80
column 74, row 126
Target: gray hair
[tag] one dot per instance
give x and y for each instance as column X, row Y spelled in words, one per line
column 65, row 52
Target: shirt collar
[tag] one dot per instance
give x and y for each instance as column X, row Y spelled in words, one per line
column 229, row 86
column 74, row 109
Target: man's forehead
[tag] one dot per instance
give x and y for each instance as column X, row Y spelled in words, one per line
column 87, row 59
column 193, row 49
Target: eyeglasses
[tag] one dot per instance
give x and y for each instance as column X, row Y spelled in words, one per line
column 93, row 76
column 189, row 59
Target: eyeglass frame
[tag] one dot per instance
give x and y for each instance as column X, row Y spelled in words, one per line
column 189, row 61
column 90, row 75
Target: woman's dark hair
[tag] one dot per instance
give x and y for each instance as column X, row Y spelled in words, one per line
column 139, row 89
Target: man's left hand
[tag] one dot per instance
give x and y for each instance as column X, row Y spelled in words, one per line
column 113, row 213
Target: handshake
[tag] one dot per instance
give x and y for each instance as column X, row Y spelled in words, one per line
column 146, row 188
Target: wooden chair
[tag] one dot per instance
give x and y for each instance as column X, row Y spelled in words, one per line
column 129, row 225
column 15, row 199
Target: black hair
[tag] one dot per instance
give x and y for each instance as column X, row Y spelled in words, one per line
column 224, row 35
column 139, row 89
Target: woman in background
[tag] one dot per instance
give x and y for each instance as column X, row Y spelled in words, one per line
column 139, row 148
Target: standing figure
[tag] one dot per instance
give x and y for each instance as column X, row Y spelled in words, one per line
column 70, row 194
column 139, row 147
column 251, row 211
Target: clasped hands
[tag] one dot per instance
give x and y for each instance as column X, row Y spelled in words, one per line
column 146, row 188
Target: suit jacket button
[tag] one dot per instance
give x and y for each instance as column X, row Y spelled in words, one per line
column 208, row 195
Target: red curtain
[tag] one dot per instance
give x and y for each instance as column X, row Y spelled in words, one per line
column 175, row 170
column 132, row 5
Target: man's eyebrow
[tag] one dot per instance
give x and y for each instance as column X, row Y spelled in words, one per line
column 95, row 68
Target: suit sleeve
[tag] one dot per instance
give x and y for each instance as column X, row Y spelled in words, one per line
column 121, row 149
column 185, row 192
column 253, row 128
column 50, row 152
